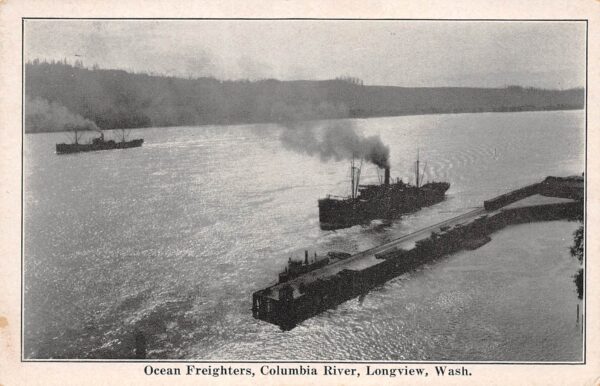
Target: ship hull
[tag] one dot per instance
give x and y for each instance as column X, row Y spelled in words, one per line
column 65, row 148
column 383, row 203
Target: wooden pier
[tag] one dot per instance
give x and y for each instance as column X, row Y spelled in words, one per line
column 288, row 303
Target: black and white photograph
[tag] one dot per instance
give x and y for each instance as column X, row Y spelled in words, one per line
column 304, row 190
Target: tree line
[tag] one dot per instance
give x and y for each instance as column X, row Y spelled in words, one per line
column 113, row 99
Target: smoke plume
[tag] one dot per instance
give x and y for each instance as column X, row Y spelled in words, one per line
column 334, row 140
column 41, row 115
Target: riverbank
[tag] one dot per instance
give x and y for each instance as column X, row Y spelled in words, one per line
column 59, row 94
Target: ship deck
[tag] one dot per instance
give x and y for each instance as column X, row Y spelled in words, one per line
column 367, row 258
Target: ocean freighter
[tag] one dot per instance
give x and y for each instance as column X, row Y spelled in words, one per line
column 384, row 201
column 97, row 144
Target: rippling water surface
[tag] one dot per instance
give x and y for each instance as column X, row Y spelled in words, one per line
column 172, row 238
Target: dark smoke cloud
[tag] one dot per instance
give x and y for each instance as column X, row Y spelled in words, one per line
column 41, row 115
column 334, row 140
column 327, row 139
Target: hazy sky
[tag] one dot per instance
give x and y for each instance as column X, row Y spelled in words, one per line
column 402, row 53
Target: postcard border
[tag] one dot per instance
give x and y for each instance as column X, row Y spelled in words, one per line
column 584, row 317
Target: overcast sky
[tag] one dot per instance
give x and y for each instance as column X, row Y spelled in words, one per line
column 400, row 53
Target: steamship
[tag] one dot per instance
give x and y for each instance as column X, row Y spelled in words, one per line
column 98, row 143
column 384, row 201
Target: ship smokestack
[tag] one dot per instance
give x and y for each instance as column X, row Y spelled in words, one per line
column 386, row 179
column 306, row 257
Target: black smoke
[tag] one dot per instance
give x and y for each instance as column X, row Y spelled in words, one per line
column 334, row 140
column 41, row 115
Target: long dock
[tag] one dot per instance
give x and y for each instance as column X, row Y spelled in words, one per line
column 292, row 300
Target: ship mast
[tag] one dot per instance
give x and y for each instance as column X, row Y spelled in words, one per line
column 74, row 129
column 417, row 168
column 358, row 169
column 354, row 178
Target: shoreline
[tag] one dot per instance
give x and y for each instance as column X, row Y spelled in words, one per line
column 314, row 120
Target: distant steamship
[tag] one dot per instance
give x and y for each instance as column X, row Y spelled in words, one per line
column 384, row 201
column 98, row 143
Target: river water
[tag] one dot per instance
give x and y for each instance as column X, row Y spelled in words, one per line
column 172, row 238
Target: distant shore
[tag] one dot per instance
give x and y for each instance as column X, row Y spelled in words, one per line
column 60, row 95
column 325, row 119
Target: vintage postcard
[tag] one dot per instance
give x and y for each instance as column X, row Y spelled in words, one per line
column 282, row 195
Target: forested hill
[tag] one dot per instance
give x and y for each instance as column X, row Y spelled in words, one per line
column 119, row 99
